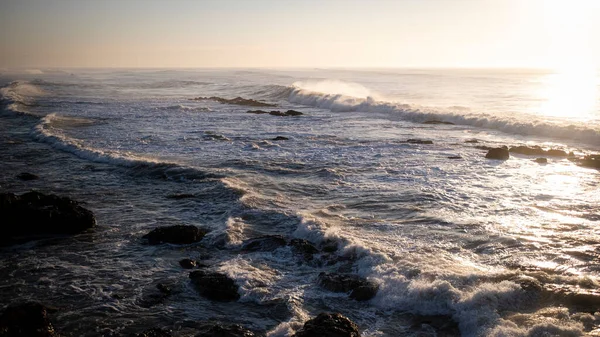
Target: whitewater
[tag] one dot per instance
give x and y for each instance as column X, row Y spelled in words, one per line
column 386, row 166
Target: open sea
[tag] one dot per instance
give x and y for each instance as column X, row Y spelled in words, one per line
column 464, row 246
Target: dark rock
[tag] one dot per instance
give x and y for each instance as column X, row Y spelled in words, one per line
column 278, row 138
column 35, row 214
column 163, row 288
column 28, row 319
column 537, row 151
column 589, row 161
column 444, row 326
column 264, row 243
column 27, row 176
column 329, row 325
column 419, row 141
column 235, row 101
column 455, row 157
column 541, row 160
column 226, row 331
column 215, row 286
column 500, row 153
column 180, row 196
column 438, row 122
column 155, row 332
column 361, row 289
column 303, row 247
column 178, row 234
column 472, row 141
column 276, row 112
column 187, row 263
column 329, row 246
column 557, row 153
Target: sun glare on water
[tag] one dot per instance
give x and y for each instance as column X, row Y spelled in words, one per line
column 572, row 91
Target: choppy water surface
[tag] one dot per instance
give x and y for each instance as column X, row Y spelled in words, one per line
column 460, row 239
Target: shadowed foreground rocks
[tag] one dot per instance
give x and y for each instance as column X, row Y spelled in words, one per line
column 28, row 319
column 215, row 286
column 360, row 288
column 34, row 214
column 330, row 325
column 178, row 234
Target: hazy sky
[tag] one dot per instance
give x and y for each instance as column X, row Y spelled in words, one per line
column 300, row 33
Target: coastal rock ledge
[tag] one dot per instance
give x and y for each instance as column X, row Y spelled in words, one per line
column 330, row 325
column 34, row 214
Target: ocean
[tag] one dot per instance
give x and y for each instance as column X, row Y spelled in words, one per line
column 388, row 165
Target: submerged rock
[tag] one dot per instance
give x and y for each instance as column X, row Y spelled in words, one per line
column 27, row 176
column 35, row 214
column 215, row 286
column 330, row 325
column 28, row 319
column 278, row 138
column 419, row 141
column 541, row 160
column 180, row 196
column 155, row 332
column 217, row 330
column 178, row 234
column 438, row 122
column 454, row 157
column 264, row 243
column 234, row 101
column 500, row 153
column 360, row 288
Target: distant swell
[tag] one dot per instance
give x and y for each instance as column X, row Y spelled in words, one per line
column 345, row 103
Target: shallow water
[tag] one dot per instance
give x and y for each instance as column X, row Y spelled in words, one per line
column 450, row 237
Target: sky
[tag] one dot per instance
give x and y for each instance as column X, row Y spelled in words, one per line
column 300, row 33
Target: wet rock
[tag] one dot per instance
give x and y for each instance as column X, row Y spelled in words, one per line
column 264, row 243
column 28, row 319
column 541, row 160
column 472, row 141
column 500, row 153
column 217, row 330
column 589, row 161
column 180, row 196
column 537, row 151
column 276, row 112
column 329, row 246
column 215, row 286
column 35, row 214
column 419, row 141
column 304, row 248
column 438, row 122
column 440, row 325
column 360, row 288
column 454, row 157
column 278, row 138
column 187, row 263
column 26, row 176
column 235, row 101
column 155, row 332
column 178, row 234
column 330, row 325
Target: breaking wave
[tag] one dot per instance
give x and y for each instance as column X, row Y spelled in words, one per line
column 340, row 96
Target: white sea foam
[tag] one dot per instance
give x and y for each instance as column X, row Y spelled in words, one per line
column 346, row 97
